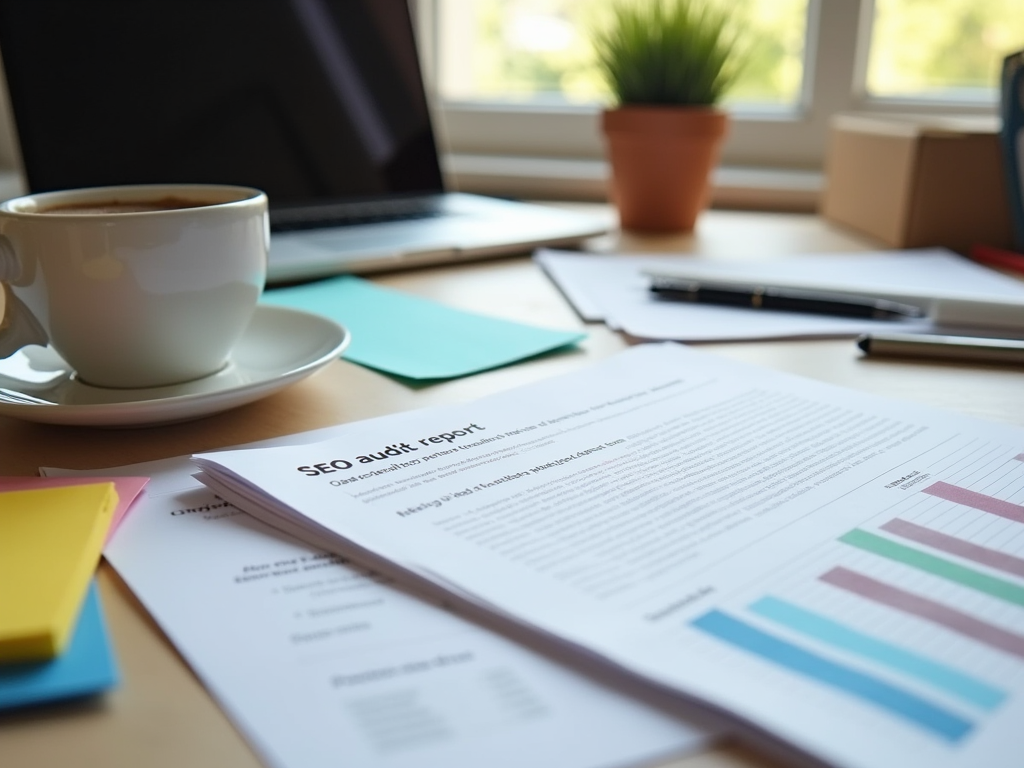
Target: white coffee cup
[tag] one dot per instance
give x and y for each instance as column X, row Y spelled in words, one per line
column 128, row 297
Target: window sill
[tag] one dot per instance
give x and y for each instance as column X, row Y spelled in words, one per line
column 576, row 179
column 542, row 178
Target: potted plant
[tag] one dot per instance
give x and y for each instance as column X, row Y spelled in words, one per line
column 667, row 64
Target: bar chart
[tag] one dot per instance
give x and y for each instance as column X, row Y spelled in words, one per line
column 917, row 613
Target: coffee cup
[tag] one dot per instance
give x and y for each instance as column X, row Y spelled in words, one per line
column 134, row 286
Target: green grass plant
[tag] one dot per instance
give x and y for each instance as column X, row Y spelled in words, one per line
column 667, row 52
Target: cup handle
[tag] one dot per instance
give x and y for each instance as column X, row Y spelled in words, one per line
column 18, row 326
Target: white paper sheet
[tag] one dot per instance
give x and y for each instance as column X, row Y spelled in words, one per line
column 842, row 571
column 320, row 663
column 614, row 289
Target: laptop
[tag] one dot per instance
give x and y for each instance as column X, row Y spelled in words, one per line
column 320, row 103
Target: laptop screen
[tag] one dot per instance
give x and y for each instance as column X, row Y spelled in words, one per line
column 313, row 101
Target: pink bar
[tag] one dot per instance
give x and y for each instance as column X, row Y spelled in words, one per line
column 924, row 608
column 977, row 500
column 993, row 558
column 1019, row 457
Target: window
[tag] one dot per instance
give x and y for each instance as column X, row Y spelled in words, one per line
column 513, row 79
column 537, row 51
column 956, row 52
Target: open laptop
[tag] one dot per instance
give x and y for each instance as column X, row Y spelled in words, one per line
column 320, row 103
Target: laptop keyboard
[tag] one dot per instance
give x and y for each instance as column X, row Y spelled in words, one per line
column 350, row 214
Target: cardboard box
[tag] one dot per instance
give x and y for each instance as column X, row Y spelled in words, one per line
column 916, row 183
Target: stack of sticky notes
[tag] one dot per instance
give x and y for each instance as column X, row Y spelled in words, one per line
column 53, row 642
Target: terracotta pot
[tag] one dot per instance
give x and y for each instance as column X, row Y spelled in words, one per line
column 661, row 159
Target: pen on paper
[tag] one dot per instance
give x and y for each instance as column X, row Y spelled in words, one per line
column 787, row 299
column 967, row 348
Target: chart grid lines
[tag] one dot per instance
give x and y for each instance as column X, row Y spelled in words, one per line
column 979, row 501
column 927, row 609
column 911, row 663
column 937, row 566
column 993, row 558
column 933, row 718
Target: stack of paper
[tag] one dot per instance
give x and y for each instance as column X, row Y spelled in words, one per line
column 52, row 640
column 319, row 662
column 838, row 571
column 615, row 289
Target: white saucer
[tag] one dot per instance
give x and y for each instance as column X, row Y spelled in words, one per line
column 280, row 346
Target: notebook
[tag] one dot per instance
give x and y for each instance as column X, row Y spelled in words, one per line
column 320, row 103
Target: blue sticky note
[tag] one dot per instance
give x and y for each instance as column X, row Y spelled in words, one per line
column 85, row 667
column 405, row 335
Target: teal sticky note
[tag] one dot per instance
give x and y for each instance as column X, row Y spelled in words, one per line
column 85, row 667
column 407, row 336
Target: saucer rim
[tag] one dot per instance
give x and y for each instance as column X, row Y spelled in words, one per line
column 164, row 410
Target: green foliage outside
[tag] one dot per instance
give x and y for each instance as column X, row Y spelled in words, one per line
column 510, row 67
column 942, row 48
column 921, row 49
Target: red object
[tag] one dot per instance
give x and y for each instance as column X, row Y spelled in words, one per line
column 998, row 257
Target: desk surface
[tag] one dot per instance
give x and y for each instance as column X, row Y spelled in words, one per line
column 162, row 716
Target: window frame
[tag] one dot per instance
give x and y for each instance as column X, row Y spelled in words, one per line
column 835, row 65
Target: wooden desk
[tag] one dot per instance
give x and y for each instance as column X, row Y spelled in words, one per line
column 161, row 715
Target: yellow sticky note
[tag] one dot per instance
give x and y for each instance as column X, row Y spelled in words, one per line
column 50, row 543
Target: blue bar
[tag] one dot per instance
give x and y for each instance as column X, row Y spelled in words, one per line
column 948, row 725
column 935, row 673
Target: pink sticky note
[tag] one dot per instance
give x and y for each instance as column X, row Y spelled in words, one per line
column 128, row 490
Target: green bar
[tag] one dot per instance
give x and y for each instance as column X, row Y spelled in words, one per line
column 968, row 577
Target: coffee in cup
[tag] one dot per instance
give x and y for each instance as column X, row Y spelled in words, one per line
column 139, row 286
column 115, row 205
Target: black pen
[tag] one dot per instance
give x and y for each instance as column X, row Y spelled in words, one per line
column 789, row 299
column 967, row 348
